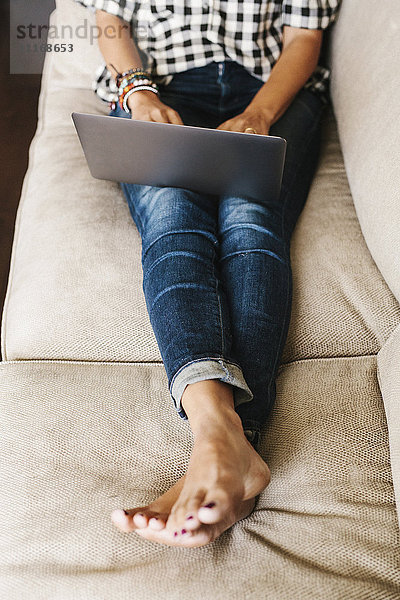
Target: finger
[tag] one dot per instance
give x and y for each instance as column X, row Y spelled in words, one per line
column 174, row 118
column 259, row 128
column 226, row 126
column 159, row 116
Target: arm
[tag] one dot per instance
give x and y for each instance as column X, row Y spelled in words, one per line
column 297, row 62
column 118, row 49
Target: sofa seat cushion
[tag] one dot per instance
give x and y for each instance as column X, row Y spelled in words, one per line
column 75, row 285
column 80, row 439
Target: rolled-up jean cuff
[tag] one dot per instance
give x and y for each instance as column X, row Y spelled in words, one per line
column 209, row 368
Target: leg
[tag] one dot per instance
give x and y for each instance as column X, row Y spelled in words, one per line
column 188, row 312
column 225, row 474
column 255, row 260
column 186, row 303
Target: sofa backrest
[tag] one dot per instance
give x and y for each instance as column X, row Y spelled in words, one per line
column 365, row 88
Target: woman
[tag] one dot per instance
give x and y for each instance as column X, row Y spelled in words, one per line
column 216, row 270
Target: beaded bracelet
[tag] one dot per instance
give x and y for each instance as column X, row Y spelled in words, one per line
column 124, row 104
column 133, row 80
column 134, row 86
column 136, row 80
column 132, row 71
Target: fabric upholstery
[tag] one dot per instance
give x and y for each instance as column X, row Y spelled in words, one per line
column 75, row 285
column 365, row 90
column 85, row 438
column 91, row 427
column 389, row 381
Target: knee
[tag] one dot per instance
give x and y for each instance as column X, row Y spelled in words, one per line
column 250, row 226
column 170, row 207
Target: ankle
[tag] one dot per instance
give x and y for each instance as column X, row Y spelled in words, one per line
column 210, row 407
column 214, row 425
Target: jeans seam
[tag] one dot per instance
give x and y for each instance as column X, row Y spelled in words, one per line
column 214, row 275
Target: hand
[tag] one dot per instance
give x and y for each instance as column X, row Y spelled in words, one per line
column 146, row 106
column 254, row 117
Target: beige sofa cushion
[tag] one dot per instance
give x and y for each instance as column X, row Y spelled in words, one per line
column 84, row 438
column 389, row 381
column 366, row 96
column 75, row 286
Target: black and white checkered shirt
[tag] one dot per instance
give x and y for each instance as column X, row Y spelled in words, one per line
column 177, row 35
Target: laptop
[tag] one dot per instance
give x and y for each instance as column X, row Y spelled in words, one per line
column 208, row 161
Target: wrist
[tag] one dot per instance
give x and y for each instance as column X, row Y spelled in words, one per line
column 141, row 97
column 130, row 83
column 267, row 113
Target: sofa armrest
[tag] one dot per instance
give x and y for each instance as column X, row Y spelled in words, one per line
column 365, row 87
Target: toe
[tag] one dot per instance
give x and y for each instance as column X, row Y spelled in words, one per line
column 167, row 537
column 217, row 506
column 187, row 514
column 158, row 522
column 122, row 520
column 133, row 518
column 192, row 521
column 147, row 517
column 186, row 506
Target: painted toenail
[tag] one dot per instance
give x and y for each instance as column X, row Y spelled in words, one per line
column 183, row 531
column 188, row 518
column 209, row 505
column 175, row 533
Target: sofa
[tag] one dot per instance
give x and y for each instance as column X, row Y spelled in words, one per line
column 86, row 421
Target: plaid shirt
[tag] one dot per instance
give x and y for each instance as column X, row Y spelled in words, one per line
column 176, row 35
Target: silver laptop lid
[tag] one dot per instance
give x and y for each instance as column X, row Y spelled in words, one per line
column 203, row 160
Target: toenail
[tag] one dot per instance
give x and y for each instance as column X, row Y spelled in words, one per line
column 188, row 518
column 175, row 533
column 183, row 531
column 209, row 505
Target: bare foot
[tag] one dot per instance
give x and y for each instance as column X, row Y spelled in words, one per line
column 225, row 475
column 149, row 521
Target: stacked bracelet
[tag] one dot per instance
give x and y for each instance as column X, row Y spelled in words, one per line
column 124, row 99
column 132, row 81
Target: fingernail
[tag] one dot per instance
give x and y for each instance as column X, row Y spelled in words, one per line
column 209, row 505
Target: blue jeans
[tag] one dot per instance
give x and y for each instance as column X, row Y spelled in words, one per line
column 216, row 270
